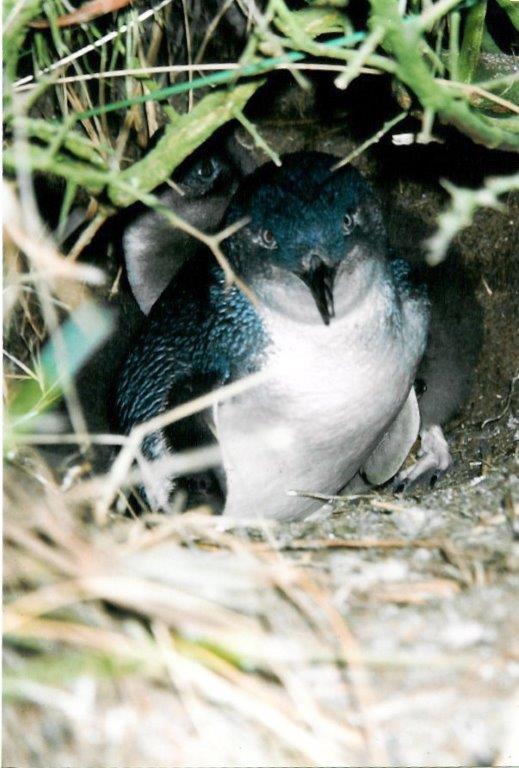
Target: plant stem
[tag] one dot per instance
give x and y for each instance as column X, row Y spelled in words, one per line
column 402, row 39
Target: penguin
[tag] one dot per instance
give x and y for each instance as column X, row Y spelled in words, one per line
column 446, row 372
column 153, row 250
column 338, row 328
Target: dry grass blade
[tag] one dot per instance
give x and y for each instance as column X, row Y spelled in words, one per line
column 48, row 263
column 180, row 68
column 202, row 617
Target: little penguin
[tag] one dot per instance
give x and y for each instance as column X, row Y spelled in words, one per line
column 338, row 328
column 446, row 373
column 153, row 249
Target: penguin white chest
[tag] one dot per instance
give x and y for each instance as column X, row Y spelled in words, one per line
column 331, row 393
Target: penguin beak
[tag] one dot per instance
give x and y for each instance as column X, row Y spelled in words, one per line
column 319, row 277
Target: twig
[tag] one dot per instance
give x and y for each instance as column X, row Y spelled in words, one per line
column 29, row 438
column 367, row 48
column 97, row 44
column 357, row 669
column 88, row 234
column 435, row 12
column 370, row 543
column 259, row 141
column 189, row 53
column 211, row 28
column 48, row 263
column 479, row 91
column 463, row 206
column 507, row 404
column 174, row 68
column 372, row 140
column 402, row 39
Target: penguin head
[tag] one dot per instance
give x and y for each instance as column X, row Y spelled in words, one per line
column 307, row 229
column 154, row 251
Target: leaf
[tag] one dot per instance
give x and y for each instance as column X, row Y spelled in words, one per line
column 16, row 17
column 472, row 40
column 86, row 12
column 61, row 358
column 316, row 21
column 511, row 8
column 302, row 27
column 180, row 139
column 56, row 670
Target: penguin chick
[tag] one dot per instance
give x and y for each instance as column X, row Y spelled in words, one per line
column 454, row 342
column 338, row 331
column 153, row 249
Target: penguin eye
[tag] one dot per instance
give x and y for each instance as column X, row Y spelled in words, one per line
column 201, row 177
column 348, row 223
column 267, row 239
column 207, row 169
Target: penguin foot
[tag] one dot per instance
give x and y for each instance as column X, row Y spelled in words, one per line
column 200, row 489
column 434, row 459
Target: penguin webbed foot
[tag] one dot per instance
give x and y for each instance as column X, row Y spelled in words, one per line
column 202, row 489
column 434, row 460
column 199, row 489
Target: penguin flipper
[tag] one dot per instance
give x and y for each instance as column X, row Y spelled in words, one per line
column 172, row 458
column 434, row 458
column 200, row 335
column 394, row 447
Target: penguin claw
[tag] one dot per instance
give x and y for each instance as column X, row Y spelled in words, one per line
column 399, row 485
column 433, row 462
